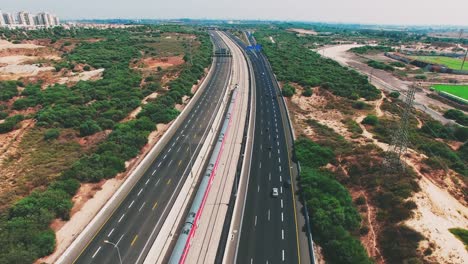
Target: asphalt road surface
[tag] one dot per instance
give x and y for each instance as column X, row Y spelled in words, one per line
column 269, row 231
column 135, row 224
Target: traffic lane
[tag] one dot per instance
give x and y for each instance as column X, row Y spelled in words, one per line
column 268, row 91
column 134, row 190
column 166, row 170
column 289, row 233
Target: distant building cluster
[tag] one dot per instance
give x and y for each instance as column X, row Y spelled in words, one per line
column 27, row 20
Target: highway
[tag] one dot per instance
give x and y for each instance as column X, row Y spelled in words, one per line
column 134, row 225
column 269, row 232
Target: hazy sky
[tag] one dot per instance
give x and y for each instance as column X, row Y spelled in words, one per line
column 433, row 12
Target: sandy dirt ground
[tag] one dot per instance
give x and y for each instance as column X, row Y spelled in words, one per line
column 303, row 31
column 82, row 76
column 164, row 63
column 8, row 45
column 383, row 80
column 272, row 40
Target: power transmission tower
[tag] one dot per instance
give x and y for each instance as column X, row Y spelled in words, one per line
column 399, row 144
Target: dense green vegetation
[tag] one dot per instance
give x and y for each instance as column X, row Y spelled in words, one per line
column 293, row 61
column 370, row 120
column 387, row 191
column 89, row 107
column 380, row 65
column 369, row 49
column 10, row 123
column 333, row 217
column 457, row 115
column 8, row 89
column 424, row 139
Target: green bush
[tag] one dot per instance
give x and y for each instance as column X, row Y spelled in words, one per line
column 8, row 89
column 380, row 65
column 394, row 94
column 307, row 92
column 367, row 49
column 461, row 234
column 420, row 77
column 52, row 133
column 88, row 128
column 397, row 64
column 360, row 105
column 288, row 90
column 3, row 115
column 370, row 120
column 311, row 154
column 457, row 115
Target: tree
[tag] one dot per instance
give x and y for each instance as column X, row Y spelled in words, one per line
column 307, row 92
column 370, row 120
column 88, row 128
column 288, row 90
column 51, row 134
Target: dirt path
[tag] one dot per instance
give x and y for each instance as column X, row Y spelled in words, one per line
column 373, row 248
column 383, row 80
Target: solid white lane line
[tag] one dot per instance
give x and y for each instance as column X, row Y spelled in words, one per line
column 141, row 206
column 95, row 253
column 282, row 217
column 131, row 204
column 281, row 203
column 110, row 233
column 282, row 234
column 140, row 192
column 147, row 181
column 283, row 254
column 121, row 217
column 260, row 165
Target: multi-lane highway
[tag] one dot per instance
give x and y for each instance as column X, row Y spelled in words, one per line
column 128, row 234
column 269, row 232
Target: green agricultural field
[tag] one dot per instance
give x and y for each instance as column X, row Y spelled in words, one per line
column 458, row 90
column 452, row 63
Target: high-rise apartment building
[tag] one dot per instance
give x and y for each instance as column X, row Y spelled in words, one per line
column 2, row 20
column 26, row 19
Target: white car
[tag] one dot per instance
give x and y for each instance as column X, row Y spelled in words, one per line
column 274, row 192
